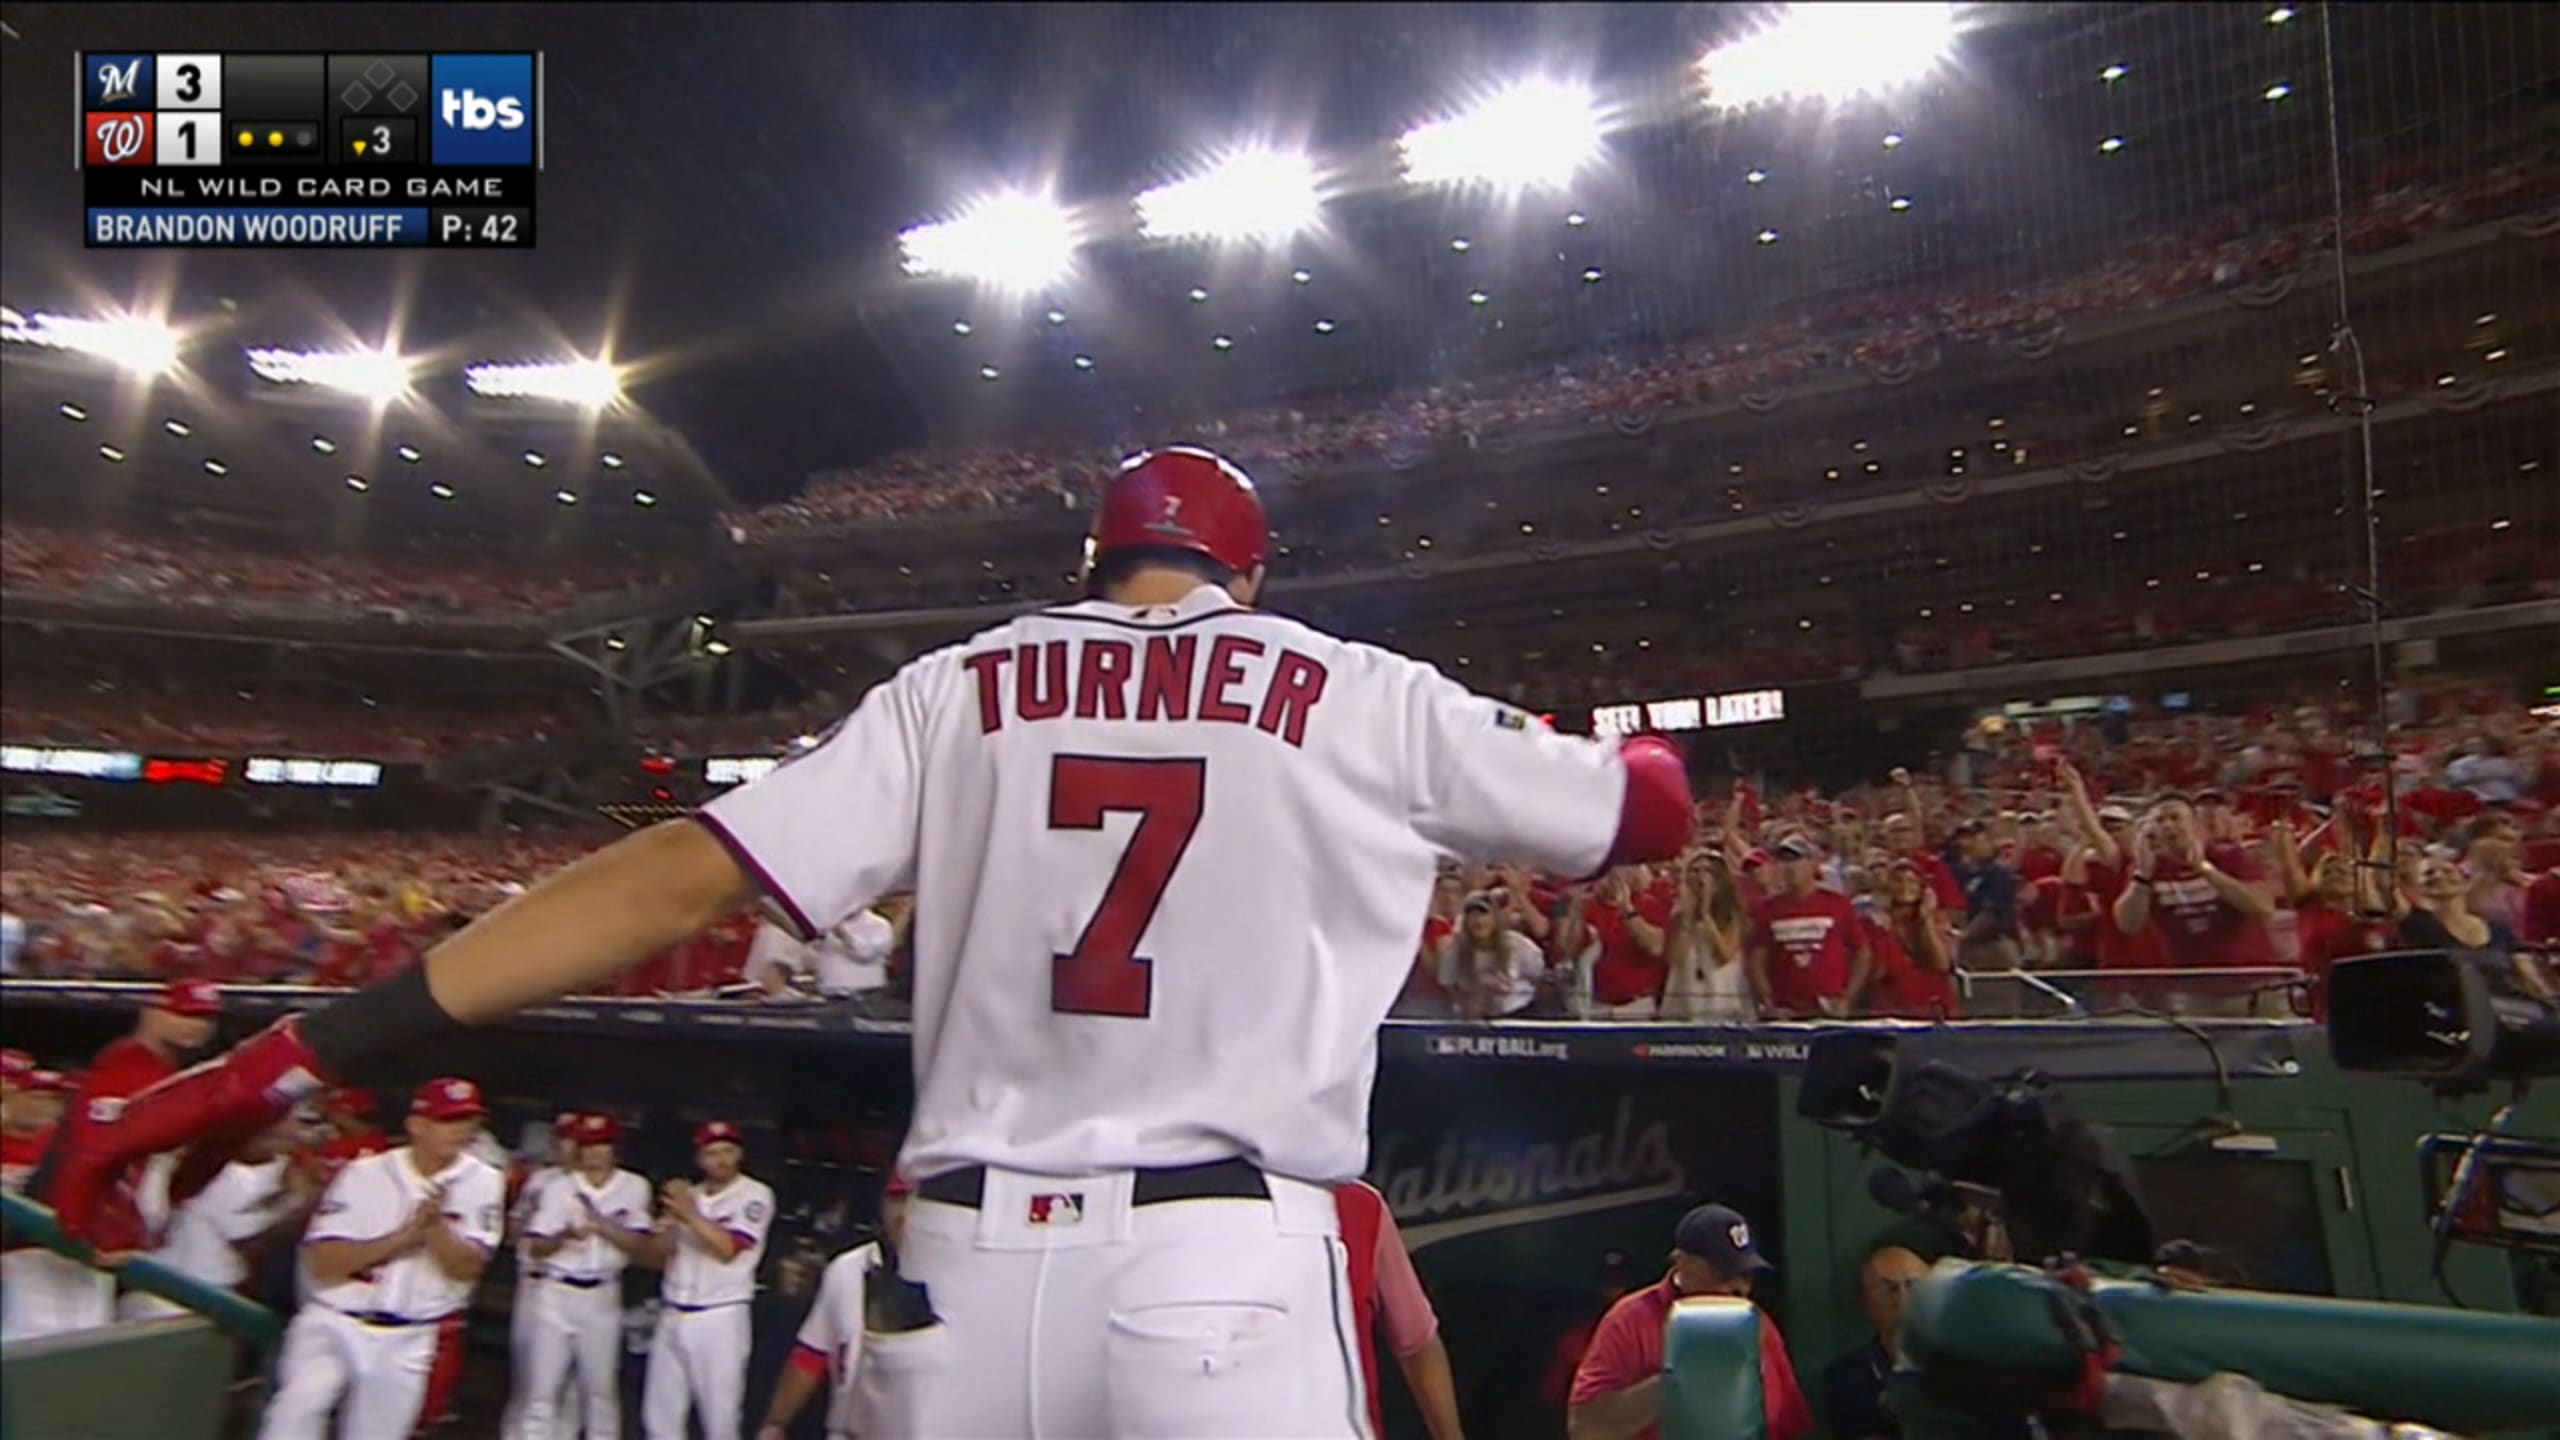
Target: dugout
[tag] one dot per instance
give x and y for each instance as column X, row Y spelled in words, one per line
column 1532, row 1164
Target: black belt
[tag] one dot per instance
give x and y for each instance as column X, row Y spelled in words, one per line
column 385, row 1320
column 576, row 1282
column 698, row 1309
column 1216, row 1180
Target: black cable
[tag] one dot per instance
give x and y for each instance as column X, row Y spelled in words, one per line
column 2344, row 343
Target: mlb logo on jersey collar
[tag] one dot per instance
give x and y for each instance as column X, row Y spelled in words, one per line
column 1055, row 1209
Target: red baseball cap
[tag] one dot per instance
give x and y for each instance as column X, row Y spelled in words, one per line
column 15, row 1065
column 450, row 1098
column 566, row 1121
column 45, row 1082
column 201, row 999
column 347, row 1100
column 716, row 1132
column 595, row 1130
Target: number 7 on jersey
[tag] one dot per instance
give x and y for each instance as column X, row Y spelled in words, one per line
column 1105, row 974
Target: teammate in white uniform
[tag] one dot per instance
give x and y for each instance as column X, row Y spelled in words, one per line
column 248, row 1201
column 585, row 1228
column 710, row 1238
column 393, row 1251
column 567, row 1408
column 829, row 1347
column 1168, row 853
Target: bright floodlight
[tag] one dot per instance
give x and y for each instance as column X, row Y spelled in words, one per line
column 144, row 347
column 378, row 377
column 1831, row 51
column 591, row 383
column 1538, row 133
column 1263, row 195
column 1012, row 241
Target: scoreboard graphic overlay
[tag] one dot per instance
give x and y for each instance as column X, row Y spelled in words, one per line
column 300, row 150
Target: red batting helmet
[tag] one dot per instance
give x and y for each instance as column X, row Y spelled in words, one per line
column 1183, row 498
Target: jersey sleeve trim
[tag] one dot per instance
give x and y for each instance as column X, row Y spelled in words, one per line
column 772, row 888
column 808, row 1360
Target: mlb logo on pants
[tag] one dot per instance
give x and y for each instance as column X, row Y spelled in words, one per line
column 1056, row 1209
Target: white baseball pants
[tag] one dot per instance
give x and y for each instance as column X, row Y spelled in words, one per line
column 1067, row 1313
column 698, row 1362
column 571, row 1333
column 373, row 1376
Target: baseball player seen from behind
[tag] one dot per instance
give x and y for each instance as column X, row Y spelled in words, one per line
column 392, row 1253
column 584, row 1227
column 829, row 1348
column 710, row 1237
column 1167, row 851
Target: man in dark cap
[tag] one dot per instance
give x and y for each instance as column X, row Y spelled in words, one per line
column 1617, row 1390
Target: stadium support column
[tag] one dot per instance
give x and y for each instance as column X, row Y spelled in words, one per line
column 629, row 657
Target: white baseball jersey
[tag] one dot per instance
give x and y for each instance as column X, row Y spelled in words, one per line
column 205, row 1231
column 833, row 1332
column 1167, row 864
column 623, row 1200
column 528, row 1202
column 376, row 1195
column 744, row 1208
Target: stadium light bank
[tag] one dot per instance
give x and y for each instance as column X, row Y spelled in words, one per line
column 1013, row 241
column 1252, row 195
column 592, row 384
column 376, row 375
column 1538, row 134
column 128, row 342
column 1832, row 51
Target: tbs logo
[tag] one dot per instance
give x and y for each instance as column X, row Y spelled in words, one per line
column 484, row 109
column 466, row 109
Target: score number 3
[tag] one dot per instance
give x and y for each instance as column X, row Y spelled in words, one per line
column 1105, row 974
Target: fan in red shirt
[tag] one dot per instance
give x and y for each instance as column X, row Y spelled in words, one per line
column 1809, row 953
column 2327, row 929
column 1628, row 915
column 1914, row 959
column 1617, row 1390
column 2542, row 912
column 2208, row 902
column 1903, row 839
column 2039, row 853
column 1423, row 993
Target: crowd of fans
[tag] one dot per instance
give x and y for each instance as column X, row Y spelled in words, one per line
column 99, row 565
column 2247, row 844
column 334, row 908
column 1864, row 331
column 2028, row 847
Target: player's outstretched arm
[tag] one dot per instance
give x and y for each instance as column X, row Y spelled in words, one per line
column 586, row 923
